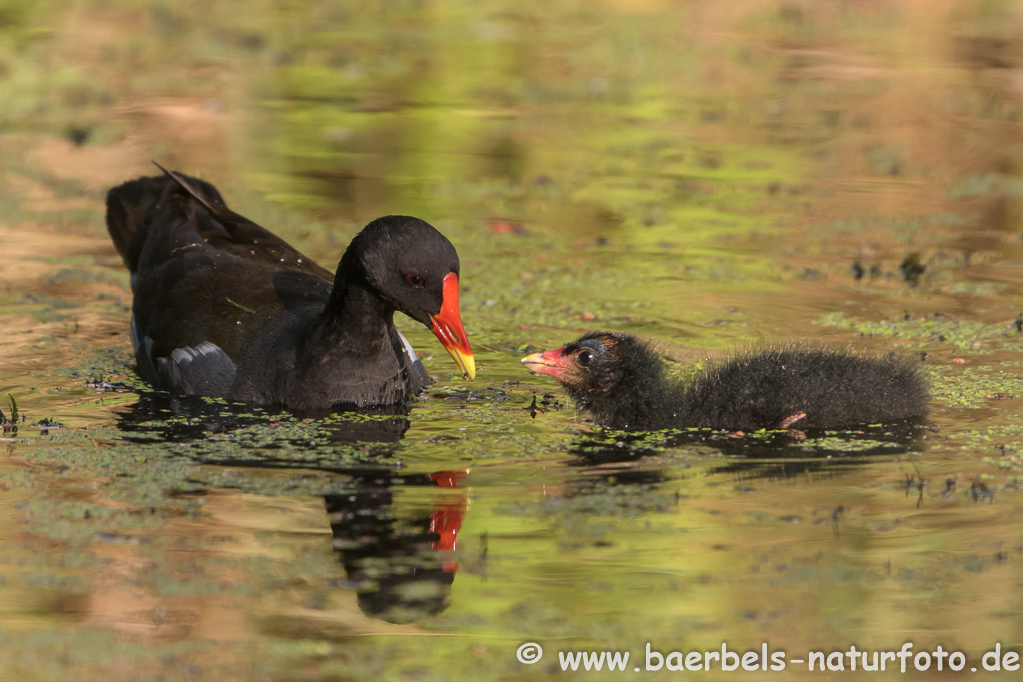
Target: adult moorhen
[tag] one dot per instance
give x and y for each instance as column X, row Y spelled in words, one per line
column 620, row 380
column 224, row 308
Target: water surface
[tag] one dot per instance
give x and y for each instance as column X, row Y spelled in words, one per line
column 708, row 175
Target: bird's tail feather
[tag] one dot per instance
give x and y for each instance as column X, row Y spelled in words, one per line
column 131, row 208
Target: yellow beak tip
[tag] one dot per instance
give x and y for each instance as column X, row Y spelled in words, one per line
column 467, row 363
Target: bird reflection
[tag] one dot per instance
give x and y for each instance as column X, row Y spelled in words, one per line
column 764, row 456
column 402, row 567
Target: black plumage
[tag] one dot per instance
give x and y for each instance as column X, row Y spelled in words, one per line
column 621, row 381
column 224, row 308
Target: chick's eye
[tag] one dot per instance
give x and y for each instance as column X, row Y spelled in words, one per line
column 414, row 280
column 584, row 357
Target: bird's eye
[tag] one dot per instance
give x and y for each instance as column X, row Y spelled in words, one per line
column 414, row 280
column 584, row 357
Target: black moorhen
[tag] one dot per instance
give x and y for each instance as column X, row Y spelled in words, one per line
column 224, row 308
column 620, row 380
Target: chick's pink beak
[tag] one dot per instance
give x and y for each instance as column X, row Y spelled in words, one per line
column 545, row 362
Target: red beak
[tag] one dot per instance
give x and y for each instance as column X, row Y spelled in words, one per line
column 546, row 362
column 447, row 326
column 446, row 516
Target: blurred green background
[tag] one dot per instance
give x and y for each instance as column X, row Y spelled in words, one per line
column 709, row 175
